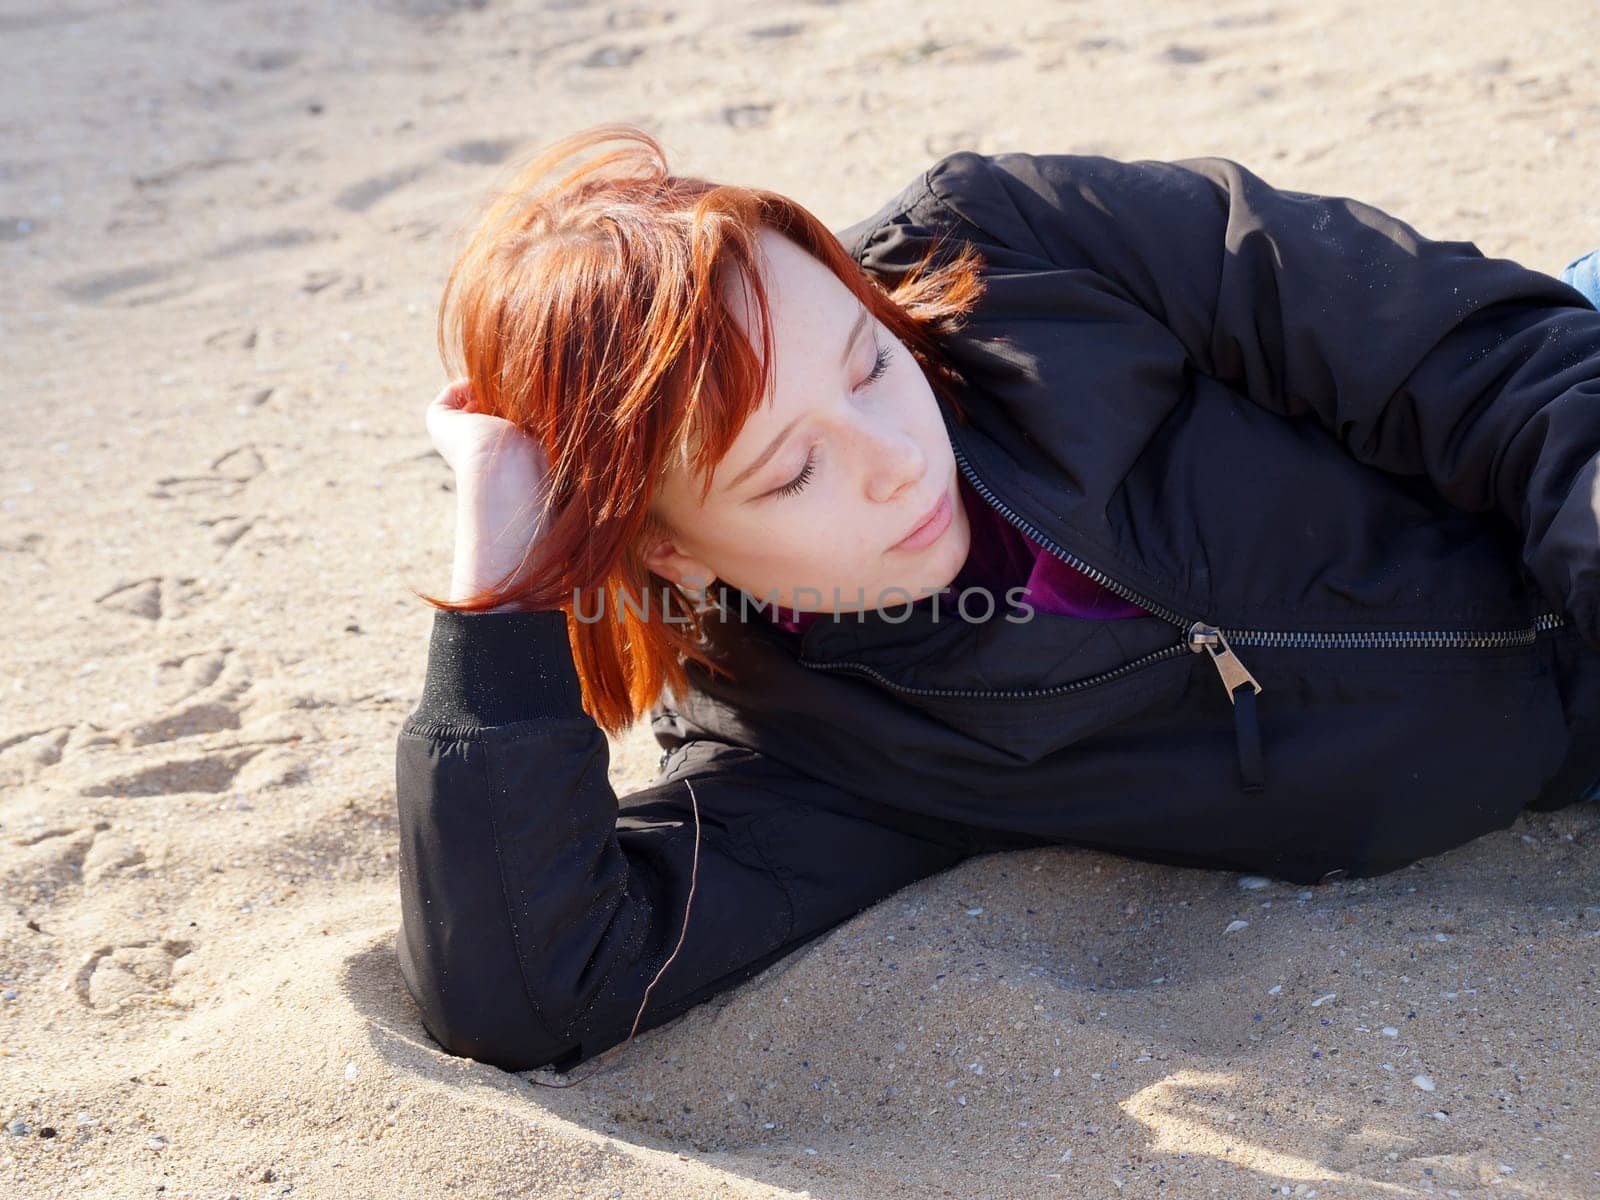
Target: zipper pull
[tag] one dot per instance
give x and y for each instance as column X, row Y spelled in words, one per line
column 1242, row 688
column 1233, row 672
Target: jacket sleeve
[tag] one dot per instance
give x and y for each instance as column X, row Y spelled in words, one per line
column 536, row 907
column 1422, row 357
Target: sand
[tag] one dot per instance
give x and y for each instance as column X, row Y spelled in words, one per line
column 223, row 230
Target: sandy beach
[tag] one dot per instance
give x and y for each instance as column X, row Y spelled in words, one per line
column 224, row 229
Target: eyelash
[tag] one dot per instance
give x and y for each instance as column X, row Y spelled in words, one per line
column 880, row 364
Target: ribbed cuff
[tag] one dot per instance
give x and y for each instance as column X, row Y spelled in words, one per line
column 493, row 668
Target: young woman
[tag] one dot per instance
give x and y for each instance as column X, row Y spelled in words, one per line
column 1275, row 523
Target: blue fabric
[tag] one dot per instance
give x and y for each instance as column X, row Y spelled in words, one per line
column 1584, row 274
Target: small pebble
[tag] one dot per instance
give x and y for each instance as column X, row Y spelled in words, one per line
column 1423, row 1082
column 1439, row 937
column 18, row 1127
column 1275, row 989
column 1253, row 883
column 1506, row 1169
column 809, row 1150
column 8, row 994
column 973, row 912
column 155, row 1141
column 1321, row 1000
column 1390, row 1031
column 350, row 1070
column 1235, row 926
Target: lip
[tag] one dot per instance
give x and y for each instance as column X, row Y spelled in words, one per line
column 930, row 528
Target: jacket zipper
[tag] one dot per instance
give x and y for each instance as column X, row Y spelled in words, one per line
column 1200, row 636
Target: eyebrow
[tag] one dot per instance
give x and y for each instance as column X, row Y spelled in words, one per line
column 772, row 447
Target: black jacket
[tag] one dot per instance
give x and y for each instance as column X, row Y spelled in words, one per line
column 1365, row 457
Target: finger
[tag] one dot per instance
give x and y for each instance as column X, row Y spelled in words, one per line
column 454, row 395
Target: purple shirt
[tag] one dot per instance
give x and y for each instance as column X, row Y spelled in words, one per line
column 1002, row 557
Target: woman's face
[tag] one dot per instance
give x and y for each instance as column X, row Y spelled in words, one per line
column 847, row 455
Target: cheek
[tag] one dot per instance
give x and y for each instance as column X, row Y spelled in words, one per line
column 830, row 536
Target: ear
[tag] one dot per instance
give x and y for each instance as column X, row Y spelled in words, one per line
column 664, row 558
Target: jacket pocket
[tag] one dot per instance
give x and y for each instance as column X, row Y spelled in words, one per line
column 1027, row 724
column 1376, row 758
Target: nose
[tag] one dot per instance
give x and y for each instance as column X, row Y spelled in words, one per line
column 894, row 462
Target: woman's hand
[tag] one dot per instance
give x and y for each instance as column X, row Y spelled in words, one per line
column 478, row 445
column 502, row 476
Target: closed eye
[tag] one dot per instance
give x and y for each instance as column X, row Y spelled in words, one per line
column 880, row 364
column 799, row 481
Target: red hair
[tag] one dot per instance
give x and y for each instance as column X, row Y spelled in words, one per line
column 586, row 311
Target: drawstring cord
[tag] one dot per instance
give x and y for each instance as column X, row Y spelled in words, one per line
column 694, row 871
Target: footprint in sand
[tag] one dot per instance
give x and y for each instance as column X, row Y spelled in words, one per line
column 42, row 863
column 110, row 855
column 747, row 116
column 228, row 476
column 39, row 865
column 252, row 396
column 23, row 756
column 195, row 694
column 1247, row 20
column 211, row 771
column 226, row 531
column 274, row 58
column 195, row 697
column 263, row 343
column 26, row 543
column 482, row 152
column 276, row 239
column 359, row 197
column 335, row 285
column 154, row 598
column 106, row 285
column 1090, row 45
column 199, row 669
column 204, row 717
column 603, row 57
column 39, row 747
column 431, row 10
column 229, row 472
column 234, row 337
column 118, row 977
column 784, row 29
column 185, row 746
